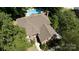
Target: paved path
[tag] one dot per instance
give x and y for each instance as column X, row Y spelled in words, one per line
column 33, row 48
column 37, row 46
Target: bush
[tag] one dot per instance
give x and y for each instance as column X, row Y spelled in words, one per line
column 44, row 47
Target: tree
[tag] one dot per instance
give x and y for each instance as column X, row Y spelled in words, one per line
column 11, row 37
column 52, row 10
column 15, row 12
column 69, row 30
column 54, row 22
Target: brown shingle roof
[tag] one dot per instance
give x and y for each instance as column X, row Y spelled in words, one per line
column 46, row 32
column 33, row 23
column 37, row 24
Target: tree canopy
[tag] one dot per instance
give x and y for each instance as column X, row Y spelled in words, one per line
column 15, row 12
column 52, row 10
column 69, row 29
column 11, row 37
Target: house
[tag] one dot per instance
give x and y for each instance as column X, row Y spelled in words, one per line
column 38, row 26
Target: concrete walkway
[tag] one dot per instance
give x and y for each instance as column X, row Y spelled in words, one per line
column 37, row 46
column 33, row 48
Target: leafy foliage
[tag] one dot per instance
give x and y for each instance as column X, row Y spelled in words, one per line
column 15, row 12
column 44, row 47
column 52, row 10
column 54, row 22
column 11, row 37
column 69, row 29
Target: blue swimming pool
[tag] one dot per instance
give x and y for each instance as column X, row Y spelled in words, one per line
column 33, row 11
